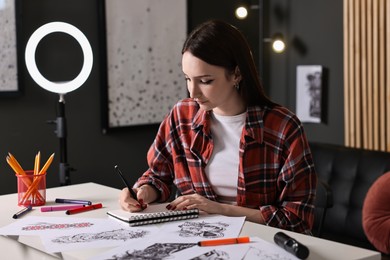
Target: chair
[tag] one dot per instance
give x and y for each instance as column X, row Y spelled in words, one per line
column 324, row 201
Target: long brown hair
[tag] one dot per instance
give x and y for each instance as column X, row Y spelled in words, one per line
column 221, row 44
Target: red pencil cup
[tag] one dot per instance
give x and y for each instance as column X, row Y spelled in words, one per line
column 31, row 189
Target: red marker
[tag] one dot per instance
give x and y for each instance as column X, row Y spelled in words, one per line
column 86, row 208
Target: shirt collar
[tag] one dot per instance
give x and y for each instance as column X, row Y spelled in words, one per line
column 254, row 126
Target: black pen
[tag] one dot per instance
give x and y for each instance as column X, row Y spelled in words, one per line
column 83, row 202
column 126, row 183
column 23, row 211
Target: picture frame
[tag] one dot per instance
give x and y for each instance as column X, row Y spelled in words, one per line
column 144, row 77
column 9, row 84
column 310, row 93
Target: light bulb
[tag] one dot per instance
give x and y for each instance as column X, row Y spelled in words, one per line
column 278, row 46
column 241, row 12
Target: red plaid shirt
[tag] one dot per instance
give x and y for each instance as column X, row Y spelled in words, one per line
column 276, row 171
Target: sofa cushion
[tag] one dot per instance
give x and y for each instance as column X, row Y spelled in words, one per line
column 376, row 214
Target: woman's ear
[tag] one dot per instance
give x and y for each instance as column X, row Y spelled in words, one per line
column 237, row 75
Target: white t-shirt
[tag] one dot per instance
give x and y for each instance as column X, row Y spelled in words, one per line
column 222, row 169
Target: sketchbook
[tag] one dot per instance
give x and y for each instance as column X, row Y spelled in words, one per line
column 155, row 213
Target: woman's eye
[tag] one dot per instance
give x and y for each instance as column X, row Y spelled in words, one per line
column 206, row 82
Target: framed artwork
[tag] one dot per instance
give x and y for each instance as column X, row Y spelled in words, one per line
column 8, row 46
column 309, row 93
column 144, row 40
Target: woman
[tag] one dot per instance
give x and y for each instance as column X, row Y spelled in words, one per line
column 228, row 149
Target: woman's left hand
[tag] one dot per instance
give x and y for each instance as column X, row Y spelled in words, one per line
column 195, row 201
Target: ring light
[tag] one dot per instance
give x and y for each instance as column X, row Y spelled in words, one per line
column 58, row 87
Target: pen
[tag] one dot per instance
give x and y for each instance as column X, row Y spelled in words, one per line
column 84, row 202
column 126, row 183
column 46, row 209
column 224, row 241
column 82, row 209
column 23, row 211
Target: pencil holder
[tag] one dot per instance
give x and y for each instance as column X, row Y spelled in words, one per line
column 31, row 189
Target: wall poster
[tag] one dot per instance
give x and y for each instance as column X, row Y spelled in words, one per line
column 8, row 47
column 309, row 93
column 144, row 40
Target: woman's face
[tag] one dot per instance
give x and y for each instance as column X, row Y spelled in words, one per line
column 212, row 87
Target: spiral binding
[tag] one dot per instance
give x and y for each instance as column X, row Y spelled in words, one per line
column 166, row 216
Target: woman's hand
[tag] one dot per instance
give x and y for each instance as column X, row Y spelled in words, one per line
column 145, row 194
column 196, row 201
column 212, row 207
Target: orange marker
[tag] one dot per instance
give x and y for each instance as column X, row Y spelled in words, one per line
column 224, row 241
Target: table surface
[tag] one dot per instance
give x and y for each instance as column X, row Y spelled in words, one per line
column 30, row 247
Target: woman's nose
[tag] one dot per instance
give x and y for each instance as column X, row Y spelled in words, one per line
column 193, row 90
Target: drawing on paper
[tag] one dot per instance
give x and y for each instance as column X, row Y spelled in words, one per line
column 119, row 234
column 213, row 255
column 50, row 226
column 202, row 229
column 257, row 253
column 155, row 251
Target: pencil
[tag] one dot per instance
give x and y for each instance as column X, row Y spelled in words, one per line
column 224, row 241
column 47, row 164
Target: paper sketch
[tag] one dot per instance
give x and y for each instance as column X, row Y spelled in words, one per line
column 204, row 227
column 61, row 226
column 213, row 255
column 155, row 251
column 146, row 249
column 258, row 252
column 118, row 234
column 256, row 249
column 108, row 235
column 34, row 225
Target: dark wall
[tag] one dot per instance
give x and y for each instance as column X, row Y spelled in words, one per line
column 314, row 34
column 24, row 130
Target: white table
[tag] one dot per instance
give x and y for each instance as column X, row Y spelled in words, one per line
column 26, row 247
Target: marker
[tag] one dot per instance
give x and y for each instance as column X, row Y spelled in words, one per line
column 23, row 211
column 47, row 209
column 83, row 209
column 133, row 194
column 224, row 241
column 291, row 245
column 84, row 202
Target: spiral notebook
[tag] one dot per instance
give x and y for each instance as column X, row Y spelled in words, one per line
column 153, row 214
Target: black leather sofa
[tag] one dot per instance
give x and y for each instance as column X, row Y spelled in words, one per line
column 348, row 173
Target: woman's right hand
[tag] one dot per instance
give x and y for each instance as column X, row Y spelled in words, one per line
column 146, row 194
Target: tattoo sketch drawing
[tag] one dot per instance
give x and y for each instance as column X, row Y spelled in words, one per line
column 118, row 234
column 50, row 226
column 202, row 229
column 155, row 251
column 213, row 255
column 257, row 253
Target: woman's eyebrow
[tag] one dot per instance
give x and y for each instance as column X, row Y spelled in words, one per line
column 200, row 76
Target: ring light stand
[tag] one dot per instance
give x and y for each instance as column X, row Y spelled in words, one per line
column 60, row 88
